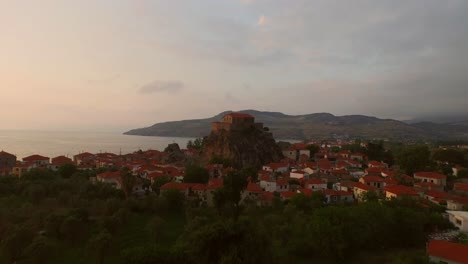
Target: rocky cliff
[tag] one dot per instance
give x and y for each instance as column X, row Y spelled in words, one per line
column 248, row 147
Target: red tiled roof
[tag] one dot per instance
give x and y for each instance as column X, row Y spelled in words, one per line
column 6, row 154
column 429, row 174
column 267, row 196
column 437, row 194
column 84, row 155
column 215, row 183
column 109, row 174
column 282, row 182
column 374, row 170
column 199, row 187
column 401, row 190
column 287, row 194
column 342, row 172
column 387, row 173
column 179, row 186
column 315, row 181
column 390, row 181
column 460, row 186
column 60, row 160
column 448, row 250
column 372, row 179
column 252, row 187
column 306, row 191
column 363, row 186
column 277, row 165
column 155, row 175
column 35, row 158
column 375, row 163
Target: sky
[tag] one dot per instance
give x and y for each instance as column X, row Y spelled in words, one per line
column 117, row 65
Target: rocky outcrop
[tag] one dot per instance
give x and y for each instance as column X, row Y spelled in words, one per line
column 249, row 147
column 173, row 154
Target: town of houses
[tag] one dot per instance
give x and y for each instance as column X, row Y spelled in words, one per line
column 342, row 177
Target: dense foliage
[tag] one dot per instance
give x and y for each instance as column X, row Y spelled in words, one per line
column 49, row 217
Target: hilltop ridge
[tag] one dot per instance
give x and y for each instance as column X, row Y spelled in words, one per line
column 316, row 125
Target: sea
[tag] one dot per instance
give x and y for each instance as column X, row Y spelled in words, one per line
column 54, row 143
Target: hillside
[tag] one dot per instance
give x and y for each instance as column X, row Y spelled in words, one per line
column 318, row 125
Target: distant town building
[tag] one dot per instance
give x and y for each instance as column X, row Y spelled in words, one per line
column 7, row 162
column 235, row 122
column 440, row 251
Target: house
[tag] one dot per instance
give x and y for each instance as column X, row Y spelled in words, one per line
column 287, row 195
column 373, row 171
column 7, row 161
column 324, row 165
column 235, row 122
column 376, row 164
column 19, row 169
column 252, row 192
column 59, row 161
column 457, row 203
column 112, row 178
column 36, row 161
column 268, row 183
column 357, row 156
column 440, row 251
column 290, row 153
column 83, row 158
column 374, row 181
column 315, row 184
column 344, row 154
column 276, row 167
column 333, row 196
column 431, row 177
column 360, row 189
column 460, row 188
column 437, row 197
column 399, row 191
column 459, row 219
column 282, row 185
column 297, row 174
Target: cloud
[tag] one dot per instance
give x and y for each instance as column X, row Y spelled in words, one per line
column 162, row 87
column 261, row 20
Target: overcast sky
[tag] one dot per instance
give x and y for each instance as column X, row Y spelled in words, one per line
column 115, row 65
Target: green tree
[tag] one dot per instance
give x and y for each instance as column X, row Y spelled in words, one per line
column 196, row 174
column 414, row 158
column 67, row 170
column 128, row 181
column 158, row 182
column 463, row 173
column 53, row 223
column 370, row 196
column 15, row 242
column 451, row 156
column 99, row 245
column 174, row 199
column 156, row 228
column 234, row 183
column 313, row 149
column 226, row 242
column 40, row 250
column 72, row 229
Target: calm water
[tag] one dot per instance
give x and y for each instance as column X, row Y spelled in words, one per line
column 52, row 144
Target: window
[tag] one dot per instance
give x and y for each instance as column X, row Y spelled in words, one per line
column 458, row 221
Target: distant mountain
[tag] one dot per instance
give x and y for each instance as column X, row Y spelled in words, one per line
column 441, row 119
column 318, row 125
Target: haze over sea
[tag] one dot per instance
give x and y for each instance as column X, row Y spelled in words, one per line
column 54, row 143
